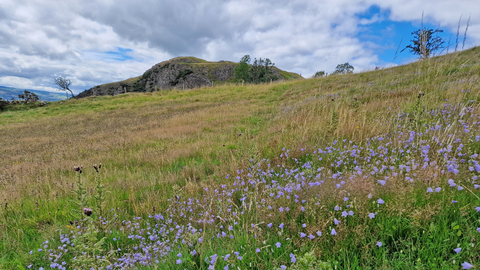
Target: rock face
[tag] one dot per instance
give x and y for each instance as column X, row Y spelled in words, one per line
column 177, row 73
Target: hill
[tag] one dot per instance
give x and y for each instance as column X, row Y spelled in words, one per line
column 7, row 93
column 375, row 170
column 177, row 73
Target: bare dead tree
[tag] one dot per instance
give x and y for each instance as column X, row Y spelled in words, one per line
column 458, row 32
column 64, row 84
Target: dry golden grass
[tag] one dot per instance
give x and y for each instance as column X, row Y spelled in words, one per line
column 153, row 145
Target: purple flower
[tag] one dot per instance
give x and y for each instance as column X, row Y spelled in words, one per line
column 379, row 244
column 179, row 261
column 478, row 229
column 381, row 182
column 293, row 259
column 457, row 250
column 283, row 267
column 336, row 221
column 179, row 255
column 302, row 235
column 269, row 225
column 304, row 225
column 345, row 199
column 281, row 226
column 438, row 189
column 350, row 213
column 333, row 232
column 476, row 208
column 454, row 201
column 429, row 190
column 336, row 208
column 311, row 236
column 319, row 233
column 380, row 201
column 466, row 265
column 226, row 257
column 459, row 188
column 257, row 250
column 278, row 244
column 371, row 215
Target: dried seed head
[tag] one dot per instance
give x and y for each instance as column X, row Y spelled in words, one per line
column 78, row 169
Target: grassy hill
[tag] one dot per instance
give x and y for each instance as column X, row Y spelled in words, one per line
column 376, row 170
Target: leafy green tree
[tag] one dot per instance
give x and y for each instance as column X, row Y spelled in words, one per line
column 319, row 74
column 242, row 71
column 345, row 68
column 425, row 42
column 28, row 97
column 261, row 71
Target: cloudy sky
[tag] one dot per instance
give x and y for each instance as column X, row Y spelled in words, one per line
column 95, row 42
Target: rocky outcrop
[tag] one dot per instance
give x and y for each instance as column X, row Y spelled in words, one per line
column 177, row 73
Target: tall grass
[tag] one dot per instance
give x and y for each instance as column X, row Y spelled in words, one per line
column 171, row 152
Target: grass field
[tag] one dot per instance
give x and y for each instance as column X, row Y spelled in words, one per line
column 375, row 170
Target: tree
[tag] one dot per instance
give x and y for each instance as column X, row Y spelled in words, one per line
column 28, row 97
column 319, row 74
column 242, row 71
column 343, row 69
column 64, row 84
column 260, row 71
column 425, row 42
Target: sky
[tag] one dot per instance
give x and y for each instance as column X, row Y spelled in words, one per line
column 96, row 42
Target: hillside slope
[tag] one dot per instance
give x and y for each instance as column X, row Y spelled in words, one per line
column 177, row 73
column 376, row 170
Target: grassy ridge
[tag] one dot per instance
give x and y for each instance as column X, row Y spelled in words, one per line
column 155, row 146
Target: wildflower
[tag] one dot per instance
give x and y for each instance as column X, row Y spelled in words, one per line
column 454, row 201
column 371, row 215
column 336, row 208
column 194, row 252
column 429, row 190
column 457, row 250
column 302, row 235
column 333, row 232
column 379, row 244
column 311, row 236
column 226, row 257
column 226, row 267
column 179, row 261
column 380, row 201
column 269, row 225
column 281, row 226
column 345, row 199
column 336, row 221
column 381, row 182
column 438, row 189
column 179, row 255
column 466, row 265
column 278, row 244
column 283, row 267
column 477, row 208
column 293, row 259
column 257, row 250
column 87, row 211
column 350, row 213
column 344, row 214
column 319, row 233
column 460, row 188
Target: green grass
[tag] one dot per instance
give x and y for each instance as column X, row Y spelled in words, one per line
column 156, row 146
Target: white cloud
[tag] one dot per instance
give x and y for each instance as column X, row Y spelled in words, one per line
column 43, row 39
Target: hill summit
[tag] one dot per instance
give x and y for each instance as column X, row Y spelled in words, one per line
column 178, row 73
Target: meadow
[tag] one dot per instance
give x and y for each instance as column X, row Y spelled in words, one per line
column 375, row 170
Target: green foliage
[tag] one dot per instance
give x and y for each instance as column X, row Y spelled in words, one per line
column 259, row 72
column 342, row 69
column 310, row 262
column 425, row 42
column 319, row 74
column 28, row 97
column 87, row 249
column 242, row 71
